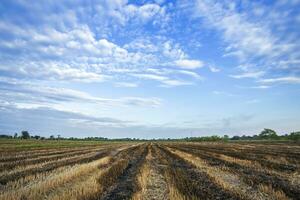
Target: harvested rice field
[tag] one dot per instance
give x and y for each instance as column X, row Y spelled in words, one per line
column 149, row 170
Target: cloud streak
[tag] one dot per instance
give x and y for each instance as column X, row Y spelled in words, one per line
column 286, row 80
column 29, row 93
column 248, row 75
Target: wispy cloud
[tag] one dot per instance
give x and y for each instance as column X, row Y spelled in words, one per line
column 287, row 79
column 54, row 117
column 30, row 93
column 168, row 72
column 214, row 69
column 259, row 38
column 244, row 37
column 125, row 84
column 261, row 87
column 166, row 81
column 189, row 73
column 151, row 77
column 217, row 92
column 172, row 83
column 248, row 75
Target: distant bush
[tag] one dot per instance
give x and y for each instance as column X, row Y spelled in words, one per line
column 37, row 137
column 6, row 136
column 213, row 138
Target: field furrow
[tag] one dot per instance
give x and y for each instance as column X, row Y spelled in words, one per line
column 250, row 174
column 9, row 157
column 152, row 184
column 21, row 172
column 257, row 158
column 190, row 182
column 126, row 183
column 45, row 159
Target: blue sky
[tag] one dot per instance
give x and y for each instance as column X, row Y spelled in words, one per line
column 149, row 69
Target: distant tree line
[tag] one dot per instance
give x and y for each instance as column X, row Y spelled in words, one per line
column 23, row 135
column 26, row 135
column 266, row 134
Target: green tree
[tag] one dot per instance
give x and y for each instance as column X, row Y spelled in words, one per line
column 25, row 135
column 268, row 134
column 226, row 137
column 294, row 136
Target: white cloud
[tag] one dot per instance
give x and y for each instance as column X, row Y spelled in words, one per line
column 76, row 55
column 248, row 75
column 148, row 11
column 217, row 92
column 173, row 51
column 166, row 81
column 122, row 12
column 291, row 63
column 189, row 73
column 142, row 44
column 173, row 55
column 189, row 64
column 172, row 83
column 126, row 84
column 48, row 70
column 167, row 71
column 214, row 69
column 151, row 77
column 84, row 49
column 287, row 79
column 261, row 87
column 138, row 101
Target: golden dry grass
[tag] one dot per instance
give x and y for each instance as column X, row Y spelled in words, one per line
column 143, row 178
column 271, row 193
column 39, row 188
